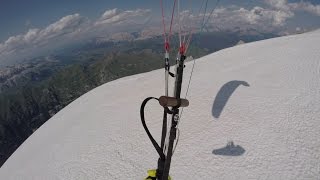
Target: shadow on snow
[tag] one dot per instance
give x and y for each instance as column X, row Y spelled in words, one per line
column 229, row 150
column 223, row 96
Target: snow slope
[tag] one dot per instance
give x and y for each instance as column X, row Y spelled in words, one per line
column 263, row 96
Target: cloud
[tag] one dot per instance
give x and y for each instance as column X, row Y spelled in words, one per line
column 306, row 6
column 110, row 13
column 66, row 25
column 259, row 15
column 73, row 28
column 284, row 5
column 266, row 18
column 116, row 16
column 278, row 4
column 35, row 38
column 231, row 17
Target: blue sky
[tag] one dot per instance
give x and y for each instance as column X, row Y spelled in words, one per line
column 18, row 16
column 31, row 25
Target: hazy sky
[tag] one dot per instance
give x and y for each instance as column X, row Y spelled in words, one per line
column 27, row 24
column 18, row 16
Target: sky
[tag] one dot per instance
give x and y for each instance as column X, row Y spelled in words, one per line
column 27, row 25
column 18, row 16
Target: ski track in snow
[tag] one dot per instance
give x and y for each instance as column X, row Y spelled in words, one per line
column 275, row 119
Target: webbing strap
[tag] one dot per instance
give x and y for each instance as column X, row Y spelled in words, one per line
column 154, row 142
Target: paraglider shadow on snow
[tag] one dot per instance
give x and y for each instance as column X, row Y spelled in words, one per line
column 229, row 150
column 223, row 96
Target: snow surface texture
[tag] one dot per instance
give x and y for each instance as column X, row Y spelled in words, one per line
column 254, row 114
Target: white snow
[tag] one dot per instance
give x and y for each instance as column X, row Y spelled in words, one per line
column 271, row 95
